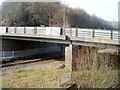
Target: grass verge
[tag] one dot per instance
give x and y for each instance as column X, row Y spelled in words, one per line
column 43, row 77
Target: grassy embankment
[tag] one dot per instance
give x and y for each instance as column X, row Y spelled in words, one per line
column 102, row 74
column 43, row 77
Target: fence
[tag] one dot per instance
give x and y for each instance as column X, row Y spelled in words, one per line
column 57, row 31
column 22, row 53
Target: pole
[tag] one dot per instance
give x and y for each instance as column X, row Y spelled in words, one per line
column 64, row 19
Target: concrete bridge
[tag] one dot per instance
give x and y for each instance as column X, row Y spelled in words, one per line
column 59, row 35
column 76, row 38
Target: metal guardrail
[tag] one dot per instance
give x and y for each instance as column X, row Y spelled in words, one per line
column 57, row 31
column 93, row 33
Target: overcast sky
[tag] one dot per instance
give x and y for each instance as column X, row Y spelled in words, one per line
column 106, row 9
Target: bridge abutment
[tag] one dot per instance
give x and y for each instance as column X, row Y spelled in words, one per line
column 80, row 57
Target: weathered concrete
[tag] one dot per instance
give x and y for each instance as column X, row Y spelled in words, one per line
column 35, row 36
column 66, row 38
column 80, row 57
column 95, row 40
column 68, row 57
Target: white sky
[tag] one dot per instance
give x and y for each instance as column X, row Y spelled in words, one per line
column 106, row 9
column 1, row 1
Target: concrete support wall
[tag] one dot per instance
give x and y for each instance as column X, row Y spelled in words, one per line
column 68, row 57
column 80, row 57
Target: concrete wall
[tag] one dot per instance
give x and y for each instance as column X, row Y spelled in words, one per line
column 80, row 57
column 68, row 57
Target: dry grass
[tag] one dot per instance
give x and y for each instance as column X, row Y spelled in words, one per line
column 102, row 72
column 97, row 79
column 43, row 77
column 5, row 59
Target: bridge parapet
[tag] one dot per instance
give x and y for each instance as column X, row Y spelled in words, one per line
column 57, row 31
column 73, row 34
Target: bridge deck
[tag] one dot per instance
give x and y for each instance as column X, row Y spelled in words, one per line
column 61, row 35
column 64, row 38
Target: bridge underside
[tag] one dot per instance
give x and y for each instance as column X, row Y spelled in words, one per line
column 12, row 48
column 63, row 40
column 84, row 53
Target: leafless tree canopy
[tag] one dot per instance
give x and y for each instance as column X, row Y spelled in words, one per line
column 49, row 14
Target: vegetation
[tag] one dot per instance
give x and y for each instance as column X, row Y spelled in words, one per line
column 46, row 76
column 103, row 72
column 49, row 14
column 97, row 79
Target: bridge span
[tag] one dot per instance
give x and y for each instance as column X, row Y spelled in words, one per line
column 74, row 36
column 77, row 39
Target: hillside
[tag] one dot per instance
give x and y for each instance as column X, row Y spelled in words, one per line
column 49, row 14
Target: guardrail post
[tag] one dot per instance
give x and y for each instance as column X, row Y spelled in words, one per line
column 93, row 34
column 111, row 34
column 61, row 31
column 24, row 29
column 76, row 32
column 6, row 29
column 35, row 30
column 15, row 30
column 70, row 31
column 64, row 31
